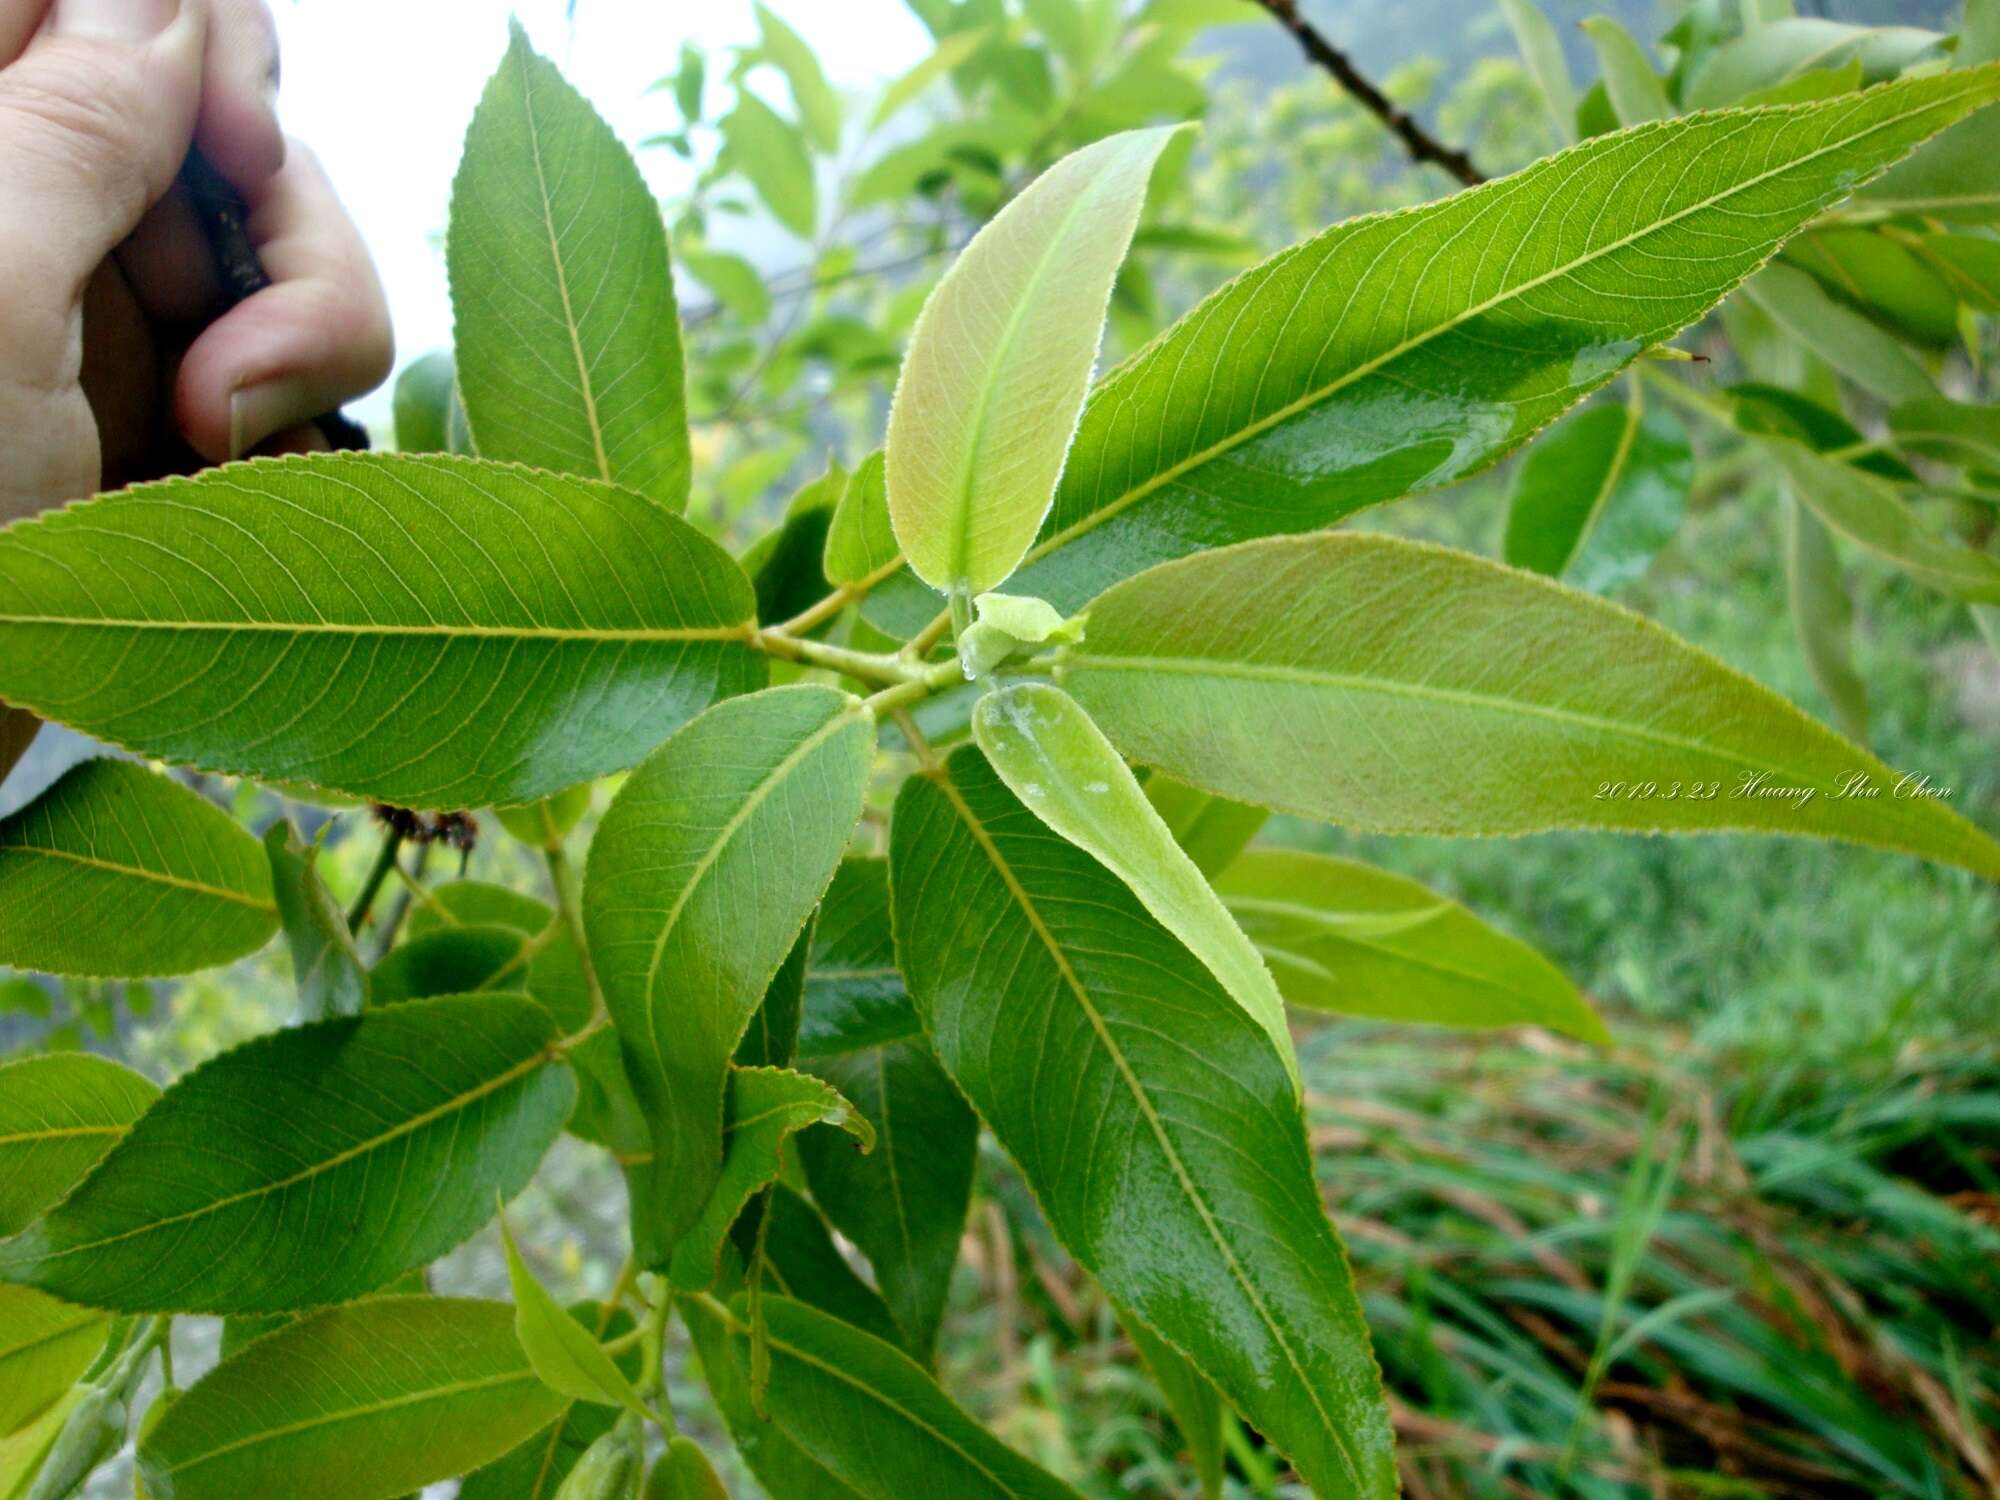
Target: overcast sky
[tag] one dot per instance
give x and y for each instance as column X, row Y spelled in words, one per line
column 383, row 90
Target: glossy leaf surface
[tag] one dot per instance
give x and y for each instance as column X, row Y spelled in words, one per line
column 1197, row 1408
column 1156, row 1123
column 854, row 992
column 702, row 875
column 429, row 632
column 999, row 362
column 1344, row 676
column 904, row 1203
column 409, row 1119
column 362, row 1402
column 568, row 341
column 326, row 963
column 1069, row 775
column 1599, row 495
column 59, row 1113
column 1346, row 937
column 1404, row 351
column 767, row 1106
column 873, row 1418
column 117, row 872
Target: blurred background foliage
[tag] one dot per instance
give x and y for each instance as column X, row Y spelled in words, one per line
column 1753, row 1250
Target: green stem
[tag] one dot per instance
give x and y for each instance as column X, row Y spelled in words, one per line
column 569, row 910
column 877, row 670
column 652, row 1344
column 385, row 861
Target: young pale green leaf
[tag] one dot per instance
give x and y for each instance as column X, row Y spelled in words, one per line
column 1635, row 89
column 1404, row 351
column 24, row 1452
column 238, row 1192
column 802, row 1262
column 1823, row 616
column 44, row 1346
column 1784, row 48
column 870, row 1415
column 536, row 1469
column 1869, row 511
column 1071, row 777
column 366, row 1402
column 684, row 1473
column 117, row 872
column 1191, row 1397
column 569, row 344
column 702, row 874
column 737, row 284
column 999, row 362
column 546, row 824
column 1951, row 432
column 430, row 418
column 1542, row 50
column 903, row 1204
column 1597, row 497
column 861, row 544
column 326, row 962
column 1212, row 829
column 429, row 632
column 854, row 995
column 768, row 150
column 1345, row 937
column 912, row 84
column 59, row 1113
column 768, row 1106
column 1155, row 1121
column 567, row 1356
column 1855, row 347
column 1393, row 685
column 818, row 105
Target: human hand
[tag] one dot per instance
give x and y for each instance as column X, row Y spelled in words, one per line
column 121, row 358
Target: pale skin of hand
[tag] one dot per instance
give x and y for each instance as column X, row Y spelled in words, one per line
column 120, row 357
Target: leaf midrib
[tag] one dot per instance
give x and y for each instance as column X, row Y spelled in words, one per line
column 1095, row 518
column 1145, row 1104
column 737, row 632
column 136, row 872
column 539, row 1059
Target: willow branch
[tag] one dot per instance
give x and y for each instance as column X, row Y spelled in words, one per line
column 1420, row 143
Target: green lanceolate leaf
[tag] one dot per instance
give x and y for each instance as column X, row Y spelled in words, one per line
column 1636, row 92
column 1955, row 178
column 1404, row 351
column 1154, row 1119
column 1951, row 432
column 1196, row 1406
column 238, row 1192
column 326, row 962
column 684, row 1473
column 1823, row 615
column 772, row 1039
column 861, row 544
column 819, row 106
column 567, row 1356
column 568, row 341
column 458, row 961
column 767, row 1107
column 701, row 876
column 429, row 416
column 1598, row 496
column 536, row 1469
column 476, row 903
column 44, row 1346
column 903, row 1204
column 546, row 824
column 999, row 363
column 1842, row 337
column 1212, row 829
column 1393, row 685
column 768, row 150
column 59, row 1113
column 802, row 1262
column 854, row 994
column 785, row 563
column 1345, row 937
column 1542, row 50
column 871, row 1416
column 363, row 1402
column 117, row 872
column 1068, row 774
column 429, row 632
column 1869, row 511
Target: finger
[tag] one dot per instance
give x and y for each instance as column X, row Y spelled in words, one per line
column 18, row 20
column 238, row 126
column 316, row 337
column 95, row 117
column 170, row 264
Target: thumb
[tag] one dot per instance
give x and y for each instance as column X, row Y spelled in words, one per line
column 95, row 118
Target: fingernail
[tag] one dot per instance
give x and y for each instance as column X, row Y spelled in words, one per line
column 257, row 411
column 120, row 20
